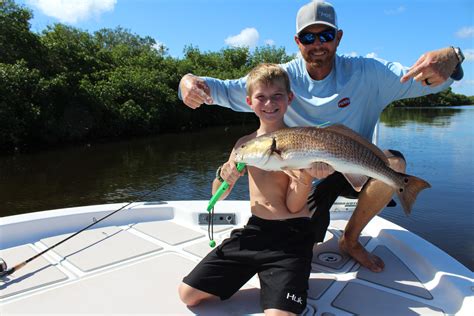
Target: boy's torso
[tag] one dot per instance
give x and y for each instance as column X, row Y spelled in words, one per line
column 268, row 189
column 268, row 194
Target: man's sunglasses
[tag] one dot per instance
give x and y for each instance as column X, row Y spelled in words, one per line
column 307, row 38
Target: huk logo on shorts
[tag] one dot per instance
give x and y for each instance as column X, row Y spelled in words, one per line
column 294, row 298
column 344, row 102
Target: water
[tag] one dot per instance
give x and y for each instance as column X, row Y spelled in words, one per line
column 438, row 145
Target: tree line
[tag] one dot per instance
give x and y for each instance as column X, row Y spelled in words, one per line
column 67, row 85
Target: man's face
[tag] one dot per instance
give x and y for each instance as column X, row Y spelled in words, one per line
column 319, row 54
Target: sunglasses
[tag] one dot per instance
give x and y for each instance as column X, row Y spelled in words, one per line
column 308, row 38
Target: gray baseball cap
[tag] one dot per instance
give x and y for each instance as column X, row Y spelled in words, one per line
column 316, row 12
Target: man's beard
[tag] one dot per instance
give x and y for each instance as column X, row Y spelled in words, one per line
column 318, row 61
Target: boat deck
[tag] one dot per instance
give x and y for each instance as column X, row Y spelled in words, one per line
column 134, row 262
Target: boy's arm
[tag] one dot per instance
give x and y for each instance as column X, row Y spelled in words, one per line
column 228, row 172
column 298, row 190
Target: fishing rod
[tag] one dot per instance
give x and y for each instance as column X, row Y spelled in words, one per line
column 3, row 265
column 210, row 207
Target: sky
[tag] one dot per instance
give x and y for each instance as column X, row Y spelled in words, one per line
column 394, row 30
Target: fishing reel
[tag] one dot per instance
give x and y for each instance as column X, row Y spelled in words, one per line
column 3, row 266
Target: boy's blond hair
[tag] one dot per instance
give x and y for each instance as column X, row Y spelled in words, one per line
column 267, row 74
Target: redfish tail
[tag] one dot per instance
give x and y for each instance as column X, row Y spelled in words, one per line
column 408, row 193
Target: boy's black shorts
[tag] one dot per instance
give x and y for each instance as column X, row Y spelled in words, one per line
column 280, row 251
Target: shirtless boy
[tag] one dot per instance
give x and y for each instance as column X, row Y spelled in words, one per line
column 277, row 241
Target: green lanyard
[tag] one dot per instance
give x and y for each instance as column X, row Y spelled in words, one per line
column 210, row 207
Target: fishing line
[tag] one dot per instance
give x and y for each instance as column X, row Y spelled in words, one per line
column 210, row 207
column 210, row 228
column 325, row 124
column 3, row 265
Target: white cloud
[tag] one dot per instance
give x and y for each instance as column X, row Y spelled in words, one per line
column 269, row 42
column 159, row 46
column 352, row 54
column 463, row 83
column 468, row 54
column 356, row 54
column 73, row 11
column 465, row 32
column 248, row 37
column 470, row 82
column 396, row 11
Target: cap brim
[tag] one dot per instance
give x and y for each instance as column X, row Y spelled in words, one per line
column 315, row 23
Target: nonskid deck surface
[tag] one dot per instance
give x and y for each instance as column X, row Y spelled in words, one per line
column 136, row 268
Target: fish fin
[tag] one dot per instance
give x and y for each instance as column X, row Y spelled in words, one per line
column 346, row 131
column 272, row 151
column 407, row 194
column 357, row 181
column 268, row 156
column 290, row 173
column 278, row 156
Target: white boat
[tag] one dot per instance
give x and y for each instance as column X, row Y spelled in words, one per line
column 132, row 263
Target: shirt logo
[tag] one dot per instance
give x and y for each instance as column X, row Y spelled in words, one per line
column 294, row 298
column 344, row 102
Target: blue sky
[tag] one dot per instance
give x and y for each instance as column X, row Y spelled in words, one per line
column 394, row 30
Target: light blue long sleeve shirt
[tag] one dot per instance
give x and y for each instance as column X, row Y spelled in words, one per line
column 354, row 93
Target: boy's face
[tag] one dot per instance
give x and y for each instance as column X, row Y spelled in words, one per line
column 269, row 101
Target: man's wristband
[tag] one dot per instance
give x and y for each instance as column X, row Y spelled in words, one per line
column 218, row 174
column 458, row 72
column 459, row 54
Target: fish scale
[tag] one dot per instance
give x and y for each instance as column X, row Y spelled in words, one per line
column 342, row 148
column 306, row 142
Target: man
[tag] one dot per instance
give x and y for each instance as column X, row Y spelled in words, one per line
column 348, row 90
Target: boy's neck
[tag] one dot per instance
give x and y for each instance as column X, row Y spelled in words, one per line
column 270, row 127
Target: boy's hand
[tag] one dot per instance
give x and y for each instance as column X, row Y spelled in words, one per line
column 230, row 173
column 194, row 91
column 320, row 170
